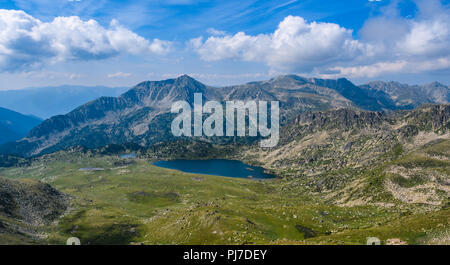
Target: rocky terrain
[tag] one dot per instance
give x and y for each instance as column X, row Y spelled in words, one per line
column 344, row 137
column 383, row 157
column 142, row 116
column 345, row 172
column 27, row 205
column 357, row 157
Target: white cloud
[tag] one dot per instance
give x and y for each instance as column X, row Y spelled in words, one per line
column 26, row 42
column 388, row 43
column 380, row 68
column 283, row 5
column 429, row 37
column 50, row 75
column 295, row 44
column 215, row 32
column 119, row 75
column 405, row 45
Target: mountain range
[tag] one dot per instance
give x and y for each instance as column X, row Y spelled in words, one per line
column 351, row 161
column 141, row 115
column 406, row 96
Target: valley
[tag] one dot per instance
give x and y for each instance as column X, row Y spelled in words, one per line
column 342, row 176
column 142, row 204
column 216, row 131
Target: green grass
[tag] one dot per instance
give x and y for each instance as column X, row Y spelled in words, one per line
column 441, row 148
column 396, row 152
column 407, row 182
column 414, row 229
column 141, row 203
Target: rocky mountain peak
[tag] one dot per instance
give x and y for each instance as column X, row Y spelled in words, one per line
column 185, row 78
column 436, row 84
column 142, row 114
column 160, row 94
column 286, row 79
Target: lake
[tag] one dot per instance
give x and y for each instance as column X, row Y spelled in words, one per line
column 217, row 167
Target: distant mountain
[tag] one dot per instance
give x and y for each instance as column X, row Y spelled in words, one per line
column 141, row 115
column 46, row 102
column 14, row 125
column 337, row 93
column 7, row 135
column 410, row 96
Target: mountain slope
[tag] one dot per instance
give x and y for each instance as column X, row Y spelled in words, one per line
column 360, row 157
column 344, row 174
column 361, row 96
column 24, row 206
column 142, row 116
column 406, row 96
column 46, row 102
column 345, row 137
column 14, row 125
column 7, row 135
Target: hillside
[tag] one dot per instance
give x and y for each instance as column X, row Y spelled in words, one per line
column 26, row 206
column 142, row 116
column 330, row 151
column 344, row 175
column 14, row 125
column 343, row 137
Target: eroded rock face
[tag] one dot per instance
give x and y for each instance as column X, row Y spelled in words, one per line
column 323, row 150
column 31, row 201
column 433, row 117
column 142, row 115
column 341, row 119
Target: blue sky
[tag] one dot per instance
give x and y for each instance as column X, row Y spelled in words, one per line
column 120, row 43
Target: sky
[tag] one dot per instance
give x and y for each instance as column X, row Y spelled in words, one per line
column 122, row 43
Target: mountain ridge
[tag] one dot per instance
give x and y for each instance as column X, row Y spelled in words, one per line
column 142, row 114
column 411, row 96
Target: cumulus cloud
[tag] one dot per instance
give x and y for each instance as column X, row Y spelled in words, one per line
column 388, row 42
column 406, row 45
column 296, row 44
column 26, row 42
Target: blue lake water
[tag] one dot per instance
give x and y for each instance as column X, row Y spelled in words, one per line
column 217, row 167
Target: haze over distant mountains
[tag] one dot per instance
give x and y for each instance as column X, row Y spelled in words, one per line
column 410, row 96
column 45, row 102
column 141, row 115
column 14, row 125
